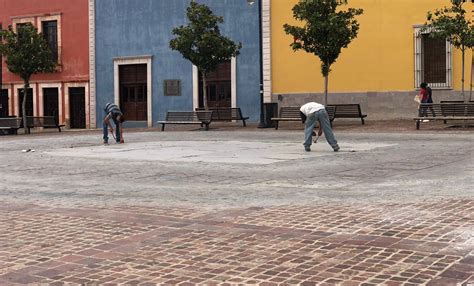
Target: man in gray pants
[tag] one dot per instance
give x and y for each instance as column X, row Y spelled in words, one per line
column 310, row 113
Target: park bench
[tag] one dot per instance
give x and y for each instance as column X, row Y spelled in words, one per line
column 203, row 118
column 444, row 111
column 226, row 114
column 42, row 121
column 10, row 125
column 348, row 111
column 454, row 101
column 292, row 113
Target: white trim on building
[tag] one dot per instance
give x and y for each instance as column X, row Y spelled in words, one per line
column 419, row 65
column 52, row 17
column 92, row 74
column 10, row 102
column 87, row 108
column 195, row 87
column 41, row 99
column 17, row 103
column 133, row 60
column 233, row 84
column 266, row 50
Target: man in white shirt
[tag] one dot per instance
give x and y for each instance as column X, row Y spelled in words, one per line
column 310, row 113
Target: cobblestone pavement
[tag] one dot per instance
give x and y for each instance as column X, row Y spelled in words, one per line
column 398, row 211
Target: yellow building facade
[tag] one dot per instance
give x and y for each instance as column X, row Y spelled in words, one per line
column 380, row 69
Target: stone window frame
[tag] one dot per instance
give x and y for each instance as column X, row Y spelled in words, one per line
column 133, row 60
column 37, row 20
column 16, row 104
column 418, row 77
column 57, row 18
column 233, row 84
column 11, row 106
column 87, row 108
column 57, row 85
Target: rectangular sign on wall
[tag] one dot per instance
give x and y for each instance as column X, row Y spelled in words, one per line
column 172, row 87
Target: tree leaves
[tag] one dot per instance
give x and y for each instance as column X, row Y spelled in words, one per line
column 26, row 52
column 450, row 23
column 325, row 31
column 201, row 42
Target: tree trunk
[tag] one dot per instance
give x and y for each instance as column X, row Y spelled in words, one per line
column 204, row 91
column 463, row 49
column 23, row 107
column 472, row 75
column 326, row 83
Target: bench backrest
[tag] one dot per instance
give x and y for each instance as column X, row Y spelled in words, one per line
column 294, row 112
column 331, row 110
column 455, row 101
column 191, row 116
column 41, row 121
column 446, row 109
column 347, row 110
column 224, row 113
column 289, row 112
column 10, row 122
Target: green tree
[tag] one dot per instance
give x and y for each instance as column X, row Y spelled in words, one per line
column 325, row 31
column 201, row 42
column 451, row 23
column 26, row 53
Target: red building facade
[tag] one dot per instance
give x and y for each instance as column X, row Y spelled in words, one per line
column 65, row 93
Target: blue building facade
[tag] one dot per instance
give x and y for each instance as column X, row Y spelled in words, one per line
column 133, row 60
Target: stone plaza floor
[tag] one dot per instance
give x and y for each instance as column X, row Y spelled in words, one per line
column 238, row 206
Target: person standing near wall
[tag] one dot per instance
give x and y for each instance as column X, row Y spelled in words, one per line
column 426, row 99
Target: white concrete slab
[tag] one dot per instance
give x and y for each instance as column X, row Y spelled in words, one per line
column 234, row 152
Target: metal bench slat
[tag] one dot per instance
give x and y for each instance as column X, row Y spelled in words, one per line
column 444, row 111
column 226, row 114
column 187, row 117
column 292, row 113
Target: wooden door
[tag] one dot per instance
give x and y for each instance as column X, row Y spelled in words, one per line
column 50, row 102
column 218, row 87
column 29, row 102
column 4, row 103
column 77, row 107
column 133, row 92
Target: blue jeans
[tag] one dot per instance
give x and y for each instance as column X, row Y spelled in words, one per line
column 426, row 106
column 323, row 118
column 105, row 130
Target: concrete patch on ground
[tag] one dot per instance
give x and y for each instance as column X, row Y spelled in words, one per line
column 234, row 152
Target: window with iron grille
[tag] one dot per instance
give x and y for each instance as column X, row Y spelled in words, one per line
column 433, row 63
column 50, row 33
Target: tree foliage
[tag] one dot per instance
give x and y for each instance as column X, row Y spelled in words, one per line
column 26, row 53
column 201, row 42
column 325, row 30
column 452, row 24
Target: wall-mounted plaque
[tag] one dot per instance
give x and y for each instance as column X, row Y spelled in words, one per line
column 172, row 87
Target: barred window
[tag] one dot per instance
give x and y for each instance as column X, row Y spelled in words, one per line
column 433, row 63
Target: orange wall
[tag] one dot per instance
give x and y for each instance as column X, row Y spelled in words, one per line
column 74, row 35
column 381, row 58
